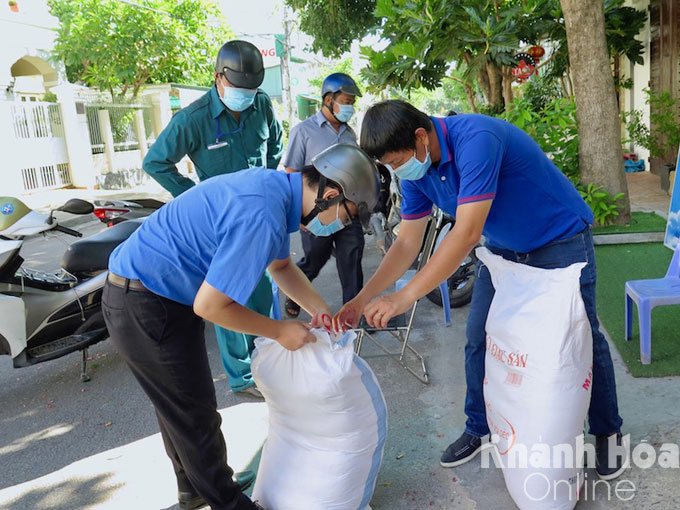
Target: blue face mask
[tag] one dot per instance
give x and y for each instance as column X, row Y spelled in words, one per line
column 320, row 230
column 345, row 113
column 413, row 169
column 237, row 99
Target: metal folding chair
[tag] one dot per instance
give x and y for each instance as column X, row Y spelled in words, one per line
column 400, row 327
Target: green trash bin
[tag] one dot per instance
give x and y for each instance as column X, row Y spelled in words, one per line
column 307, row 106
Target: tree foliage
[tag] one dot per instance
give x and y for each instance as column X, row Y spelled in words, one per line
column 622, row 26
column 450, row 96
column 119, row 47
column 664, row 136
column 554, row 127
column 421, row 39
column 426, row 36
column 334, row 24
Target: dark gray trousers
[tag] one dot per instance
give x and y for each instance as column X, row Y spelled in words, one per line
column 349, row 248
column 163, row 343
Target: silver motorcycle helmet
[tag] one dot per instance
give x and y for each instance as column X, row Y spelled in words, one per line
column 356, row 174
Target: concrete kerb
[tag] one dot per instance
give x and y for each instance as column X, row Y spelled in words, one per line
column 642, row 237
column 658, row 212
column 633, row 238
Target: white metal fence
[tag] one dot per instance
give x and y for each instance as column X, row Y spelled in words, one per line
column 122, row 125
column 38, row 158
column 37, row 120
column 45, row 177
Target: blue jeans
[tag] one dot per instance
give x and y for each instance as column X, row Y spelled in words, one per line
column 603, row 414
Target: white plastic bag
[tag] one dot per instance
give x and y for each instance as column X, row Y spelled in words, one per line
column 538, row 369
column 327, row 426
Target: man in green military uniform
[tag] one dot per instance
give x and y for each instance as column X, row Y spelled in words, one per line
column 230, row 128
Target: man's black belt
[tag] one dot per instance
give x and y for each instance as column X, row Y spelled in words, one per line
column 126, row 283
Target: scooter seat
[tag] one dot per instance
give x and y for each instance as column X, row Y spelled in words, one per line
column 92, row 253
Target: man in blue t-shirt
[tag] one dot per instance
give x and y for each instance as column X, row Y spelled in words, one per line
column 496, row 181
column 199, row 258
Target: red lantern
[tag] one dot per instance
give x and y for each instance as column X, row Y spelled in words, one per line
column 536, row 51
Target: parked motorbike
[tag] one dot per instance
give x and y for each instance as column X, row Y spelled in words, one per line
column 44, row 316
column 113, row 212
column 461, row 283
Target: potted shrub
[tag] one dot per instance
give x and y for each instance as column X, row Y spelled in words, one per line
column 13, row 6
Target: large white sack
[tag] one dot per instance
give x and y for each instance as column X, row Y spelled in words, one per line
column 538, row 369
column 327, row 426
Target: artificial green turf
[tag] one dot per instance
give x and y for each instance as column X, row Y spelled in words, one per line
column 616, row 264
column 639, row 222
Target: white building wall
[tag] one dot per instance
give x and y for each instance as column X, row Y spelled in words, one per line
column 29, row 32
column 635, row 98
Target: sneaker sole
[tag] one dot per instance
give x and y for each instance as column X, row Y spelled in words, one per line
column 464, row 459
column 611, row 476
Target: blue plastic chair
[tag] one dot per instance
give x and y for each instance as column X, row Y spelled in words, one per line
column 647, row 294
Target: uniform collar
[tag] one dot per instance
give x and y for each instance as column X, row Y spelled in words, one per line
column 295, row 209
column 217, row 106
column 442, row 132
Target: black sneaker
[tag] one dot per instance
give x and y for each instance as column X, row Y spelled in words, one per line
column 603, row 444
column 462, row 450
column 190, row 500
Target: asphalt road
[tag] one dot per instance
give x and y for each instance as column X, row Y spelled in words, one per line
column 50, row 419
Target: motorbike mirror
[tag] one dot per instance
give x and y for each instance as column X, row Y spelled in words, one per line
column 77, row 206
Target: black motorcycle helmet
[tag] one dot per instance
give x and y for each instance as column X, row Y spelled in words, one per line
column 241, row 63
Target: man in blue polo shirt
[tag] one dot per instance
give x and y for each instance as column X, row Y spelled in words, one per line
column 495, row 180
column 200, row 257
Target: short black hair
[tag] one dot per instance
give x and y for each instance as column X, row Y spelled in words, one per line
column 390, row 126
column 312, row 176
